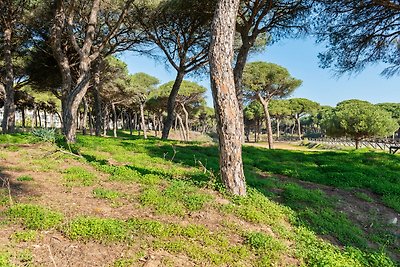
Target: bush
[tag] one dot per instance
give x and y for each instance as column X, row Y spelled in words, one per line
column 45, row 135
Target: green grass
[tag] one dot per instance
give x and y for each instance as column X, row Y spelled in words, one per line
column 178, row 187
column 24, row 236
column 34, row 217
column 25, row 178
column 78, row 176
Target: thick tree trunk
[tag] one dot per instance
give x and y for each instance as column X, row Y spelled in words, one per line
column 265, row 104
column 225, row 100
column 171, row 104
column 143, row 122
column 97, row 106
column 8, row 123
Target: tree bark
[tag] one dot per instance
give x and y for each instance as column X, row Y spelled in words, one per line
column 278, row 130
column 8, row 123
column 85, row 115
column 298, row 126
column 225, row 99
column 115, row 119
column 143, row 122
column 171, row 104
column 34, row 120
column 181, row 128
column 187, row 130
column 105, row 120
column 23, row 117
column 265, row 104
column 97, row 98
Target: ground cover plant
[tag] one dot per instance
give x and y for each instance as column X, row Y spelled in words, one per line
column 159, row 202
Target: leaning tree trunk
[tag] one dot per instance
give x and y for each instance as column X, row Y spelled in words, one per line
column 224, row 94
column 171, row 104
column 143, row 122
column 187, row 130
column 8, row 124
column 265, row 104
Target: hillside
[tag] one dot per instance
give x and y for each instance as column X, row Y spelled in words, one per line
column 131, row 202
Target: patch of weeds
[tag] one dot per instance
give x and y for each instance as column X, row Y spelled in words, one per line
column 78, row 176
column 4, row 198
column 35, row 217
column 13, row 148
column 128, row 261
column 267, row 247
column 256, row 208
column 392, row 201
column 86, row 228
column 176, row 199
column 24, row 236
column 5, row 259
column 363, row 196
column 106, row 194
column 25, row 257
column 25, row 178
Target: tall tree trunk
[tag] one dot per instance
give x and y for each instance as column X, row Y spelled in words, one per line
column 278, row 130
column 186, row 122
column 90, row 122
column 298, row 126
column 144, row 128
column 40, row 118
column 181, row 127
column 171, row 104
column 225, row 100
column 34, row 120
column 85, row 115
column 130, row 123
column 8, row 123
column 45, row 118
column 238, row 75
column 105, row 120
column 265, row 104
column 115, row 119
column 155, row 125
column 23, row 117
column 97, row 104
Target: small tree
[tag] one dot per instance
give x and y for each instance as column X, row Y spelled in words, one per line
column 190, row 95
column 279, row 109
column 141, row 86
column 359, row 120
column 266, row 81
column 300, row 107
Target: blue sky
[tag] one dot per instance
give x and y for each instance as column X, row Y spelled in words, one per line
column 300, row 58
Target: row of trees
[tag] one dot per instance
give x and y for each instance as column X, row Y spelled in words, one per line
column 354, row 119
column 72, row 39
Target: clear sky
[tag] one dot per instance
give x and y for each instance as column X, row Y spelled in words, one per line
column 300, row 58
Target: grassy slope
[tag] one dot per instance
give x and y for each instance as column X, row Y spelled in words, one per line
column 177, row 184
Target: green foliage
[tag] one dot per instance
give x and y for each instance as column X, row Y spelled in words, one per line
column 359, row 120
column 175, row 199
column 24, row 236
column 35, row 217
column 25, row 178
column 106, row 194
column 44, row 135
column 78, row 176
column 269, row 80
